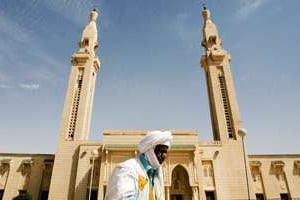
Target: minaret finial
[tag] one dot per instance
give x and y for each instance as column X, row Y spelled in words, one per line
column 89, row 39
column 203, row 5
column 94, row 14
column 211, row 39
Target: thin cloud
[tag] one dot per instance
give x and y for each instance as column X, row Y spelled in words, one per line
column 184, row 31
column 77, row 11
column 42, row 67
column 29, row 86
column 12, row 29
column 47, row 69
column 247, row 7
column 73, row 10
column 5, row 81
column 5, row 86
column 4, row 77
column 180, row 26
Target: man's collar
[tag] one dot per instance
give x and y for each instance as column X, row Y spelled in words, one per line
column 145, row 162
column 151, row 172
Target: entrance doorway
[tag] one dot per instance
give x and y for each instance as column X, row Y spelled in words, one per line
column 180, row 188
column 176, row 197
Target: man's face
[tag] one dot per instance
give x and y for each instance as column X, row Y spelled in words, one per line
column 161, row 152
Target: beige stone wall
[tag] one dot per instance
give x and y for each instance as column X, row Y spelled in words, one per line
column 64, row 171
column 25, row 172
column 275, row 174
column 224, row 164
column 209, row 166
column 89, row 159
column 229, row 170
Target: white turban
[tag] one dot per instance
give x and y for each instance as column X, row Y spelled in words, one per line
column 154, row 138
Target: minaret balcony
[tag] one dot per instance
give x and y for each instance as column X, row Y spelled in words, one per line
column 217, row 55
column 79, row 58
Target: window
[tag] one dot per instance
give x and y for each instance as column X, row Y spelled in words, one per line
column 205, row 171
column 177, row 197
column 44, row 195
column 284, row 196
column 94, row 194
column 1, row 194
column 208, row 170
column 76, row 98
column 260, row 196
column 22, row 191
column 211, row 173
column 104, row 190
column 226, row 107
column 85, row 42
column 210, row 195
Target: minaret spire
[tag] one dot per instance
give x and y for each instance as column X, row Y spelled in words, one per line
column 89, row 38
column 226, row 124
column 76, row 116
column 211, row 38
column 216, row 63
column 81, row 87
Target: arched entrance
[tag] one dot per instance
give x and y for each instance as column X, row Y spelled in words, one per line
column 180, row 188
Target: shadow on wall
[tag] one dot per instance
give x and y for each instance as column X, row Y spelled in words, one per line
column 23, row 195
column 82, row 187
column 73, row 173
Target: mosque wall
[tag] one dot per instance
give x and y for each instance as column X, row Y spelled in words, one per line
column 275, row 176
column 25, row 172
column 199, row 172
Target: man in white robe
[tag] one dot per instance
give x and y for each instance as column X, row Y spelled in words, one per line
column 141, row 178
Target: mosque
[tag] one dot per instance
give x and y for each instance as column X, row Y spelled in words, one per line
column 216, row 170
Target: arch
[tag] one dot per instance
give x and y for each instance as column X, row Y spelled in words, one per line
column 181, row 165
column 187, row 169
column 180, row 184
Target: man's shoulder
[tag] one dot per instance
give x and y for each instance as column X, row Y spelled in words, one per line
column 129, row 167
column 129, row 163
column 133, row 165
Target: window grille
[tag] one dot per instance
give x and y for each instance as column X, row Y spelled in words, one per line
column 224, row 97
column 75, row 105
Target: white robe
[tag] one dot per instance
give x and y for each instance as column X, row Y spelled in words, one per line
column 130, row 179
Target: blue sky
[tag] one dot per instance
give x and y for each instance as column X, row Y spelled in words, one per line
column 150, row 76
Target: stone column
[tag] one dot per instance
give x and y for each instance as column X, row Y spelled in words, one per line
column 36, row 171
column 11, row 187
column 167, row 190
column 83, row 168
column 195, row 193
column 103, row 174
column 4, row 170
column 198, row 167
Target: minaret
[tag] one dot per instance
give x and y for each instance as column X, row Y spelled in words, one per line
column 76, row 117
column 77, row 111
column 226, row 123
column 222, row 99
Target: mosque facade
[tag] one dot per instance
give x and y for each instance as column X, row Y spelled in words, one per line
column 216, row 170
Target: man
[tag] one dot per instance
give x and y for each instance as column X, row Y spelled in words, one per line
column 141, row 178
